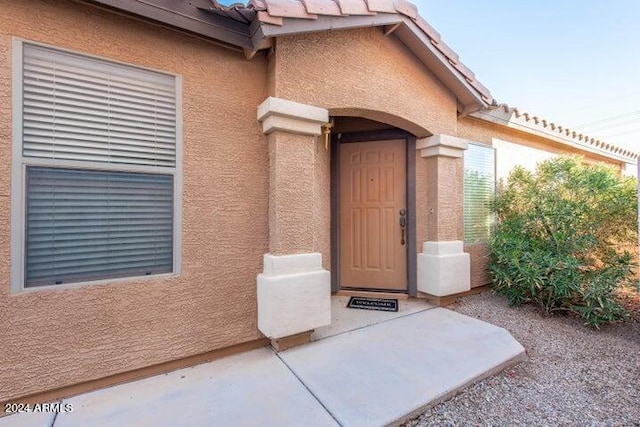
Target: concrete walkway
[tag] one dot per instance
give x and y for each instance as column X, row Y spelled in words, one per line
column 368, row 369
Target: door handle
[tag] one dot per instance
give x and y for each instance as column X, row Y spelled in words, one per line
column 403, row 224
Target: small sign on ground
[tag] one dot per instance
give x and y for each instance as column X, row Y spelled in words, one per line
column 380, row 304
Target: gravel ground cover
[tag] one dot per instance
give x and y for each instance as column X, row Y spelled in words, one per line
column 573, row 375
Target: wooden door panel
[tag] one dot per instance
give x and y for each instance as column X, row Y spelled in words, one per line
column 372, row 192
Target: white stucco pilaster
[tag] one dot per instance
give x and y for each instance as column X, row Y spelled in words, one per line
column 294, row 295
column 443, row 268
column 293, row 291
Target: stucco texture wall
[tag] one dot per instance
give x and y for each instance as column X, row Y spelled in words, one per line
column 291, row 192
column 353, row 71
column 322, row 202
column 299, row 195
column 444, row 202
column 478, row 252
column 57, row 337
column 362, row 73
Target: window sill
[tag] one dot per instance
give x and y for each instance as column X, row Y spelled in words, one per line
column 22, row 290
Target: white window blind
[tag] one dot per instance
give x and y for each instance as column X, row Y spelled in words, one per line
column 99, row 161
column 86, row 225
column 479, row 190
column 79, row 108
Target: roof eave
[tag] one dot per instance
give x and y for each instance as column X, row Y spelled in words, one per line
column 184, row 16
column 469, row 100
column 557, row 133
column 293, row 26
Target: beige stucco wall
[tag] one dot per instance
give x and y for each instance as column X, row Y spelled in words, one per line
column 362, row 70
column 478, row 253
column 322, row 202
column 291, row 193
column 444, row 202
column 57, row 337
column 362, row 73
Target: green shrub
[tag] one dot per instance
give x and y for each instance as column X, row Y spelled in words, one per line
column 561, row 236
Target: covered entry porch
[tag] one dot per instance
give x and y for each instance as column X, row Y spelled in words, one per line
column 355, row 204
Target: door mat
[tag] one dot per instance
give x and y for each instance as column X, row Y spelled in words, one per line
column 380, row 304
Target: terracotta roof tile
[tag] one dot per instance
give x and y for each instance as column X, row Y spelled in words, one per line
column 322, row 7
column 236, row 11
column 484, row 91
column 354, row 7
column 428, row 29
column 273, row 11
column 464, row 70
column 406, row 8
column 263, row 16
column 527, row 122
column 257, row 5
column 446, row 50
column 384, row 6
column 288, row 9
column 240, row 15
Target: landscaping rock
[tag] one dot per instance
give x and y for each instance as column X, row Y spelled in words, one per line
column 574, row 376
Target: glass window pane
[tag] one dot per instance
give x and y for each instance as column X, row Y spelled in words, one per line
column 479, row 189
column 86, row 225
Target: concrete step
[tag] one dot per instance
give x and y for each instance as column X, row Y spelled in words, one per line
column 388, row 372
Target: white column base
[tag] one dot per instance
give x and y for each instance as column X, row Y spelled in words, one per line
column 294, row 295
column 444, row 268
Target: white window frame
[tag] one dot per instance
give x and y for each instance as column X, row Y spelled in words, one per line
column 465, row 238
column 19, row 166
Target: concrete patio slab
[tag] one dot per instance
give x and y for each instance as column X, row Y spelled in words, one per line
column 31, row 419
column 248, row 389
column 360, row 374
column 345, row 319
column 381, row 374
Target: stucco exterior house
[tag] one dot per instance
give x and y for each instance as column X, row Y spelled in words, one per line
column 182, row 180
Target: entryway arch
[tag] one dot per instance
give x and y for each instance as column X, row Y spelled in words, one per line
column 382, row 117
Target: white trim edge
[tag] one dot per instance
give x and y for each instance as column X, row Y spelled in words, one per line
column 442, row 145
column 278, row 114
column 17, row 170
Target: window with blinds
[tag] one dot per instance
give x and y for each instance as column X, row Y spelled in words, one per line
column 84, row 109
column 86, row 225
column 99, row 151
column 479, row 190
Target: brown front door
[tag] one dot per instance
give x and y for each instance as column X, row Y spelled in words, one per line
column 372, row 198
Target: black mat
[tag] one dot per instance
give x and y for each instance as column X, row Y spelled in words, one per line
column 380, row 304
